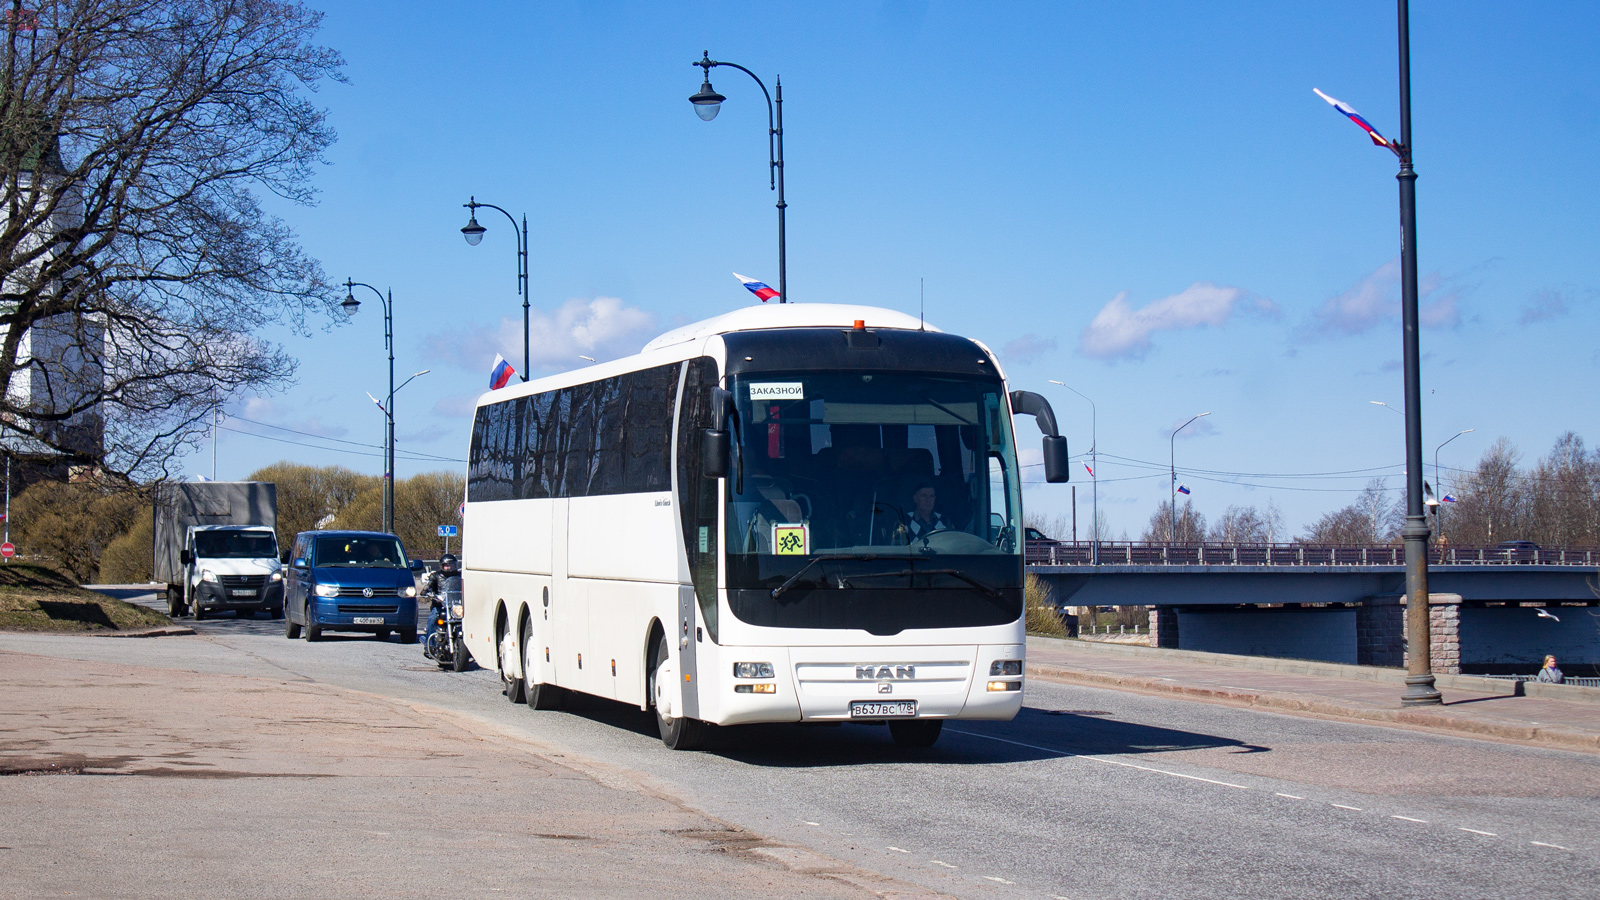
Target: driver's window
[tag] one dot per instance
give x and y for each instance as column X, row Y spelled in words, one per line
column 998, row 513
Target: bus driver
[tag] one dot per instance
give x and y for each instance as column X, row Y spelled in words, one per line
column 923, row 520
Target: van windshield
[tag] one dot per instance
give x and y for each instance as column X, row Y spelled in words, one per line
column 235, row 545
column 358, row 553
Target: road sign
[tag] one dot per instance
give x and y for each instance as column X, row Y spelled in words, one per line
column 447, row 531
column 8, row 549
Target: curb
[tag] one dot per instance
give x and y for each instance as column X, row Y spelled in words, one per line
column 163, row 631
column 1551, row 736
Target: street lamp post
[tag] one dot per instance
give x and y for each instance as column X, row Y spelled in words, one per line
column 351, row 306
column 1438, row 483
column 473, row 232
column 1172, row 462
column 707, row 103
column 1094, row 466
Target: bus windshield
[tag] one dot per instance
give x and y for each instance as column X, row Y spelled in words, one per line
column 880, row 481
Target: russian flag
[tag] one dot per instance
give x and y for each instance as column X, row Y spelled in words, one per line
column 501, row 374
column 1183, row 489
column 1089, row 470
column 756, row 287
column 1449, row 499
column 1355, row 117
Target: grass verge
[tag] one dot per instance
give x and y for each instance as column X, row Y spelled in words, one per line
column 37, row 598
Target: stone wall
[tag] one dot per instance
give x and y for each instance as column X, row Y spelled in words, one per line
column 1164, row 627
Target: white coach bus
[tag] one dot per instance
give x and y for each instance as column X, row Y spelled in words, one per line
column 788, row 513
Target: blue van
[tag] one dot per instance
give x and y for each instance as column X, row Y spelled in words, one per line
column 350, row 581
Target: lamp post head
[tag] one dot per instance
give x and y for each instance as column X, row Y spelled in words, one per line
column 350, row 304
column 707, row 103
column 472, row 231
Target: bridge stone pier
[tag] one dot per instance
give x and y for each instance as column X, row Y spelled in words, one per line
column 1483, row 619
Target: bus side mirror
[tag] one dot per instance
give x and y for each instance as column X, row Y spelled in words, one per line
column 714, row 449
column 1057, row 468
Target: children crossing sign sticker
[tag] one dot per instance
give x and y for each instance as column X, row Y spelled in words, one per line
column 791, row 540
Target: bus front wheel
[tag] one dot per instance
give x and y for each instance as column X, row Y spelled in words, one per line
column 510, row 685
column 677, row 732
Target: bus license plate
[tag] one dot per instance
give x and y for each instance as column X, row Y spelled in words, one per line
column 249, row 593
column 878, row 709
column 368, row 620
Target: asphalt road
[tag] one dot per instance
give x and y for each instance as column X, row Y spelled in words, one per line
column 1089, row 793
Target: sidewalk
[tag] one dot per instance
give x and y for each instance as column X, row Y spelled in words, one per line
column 1476, row 707
column 137, row 782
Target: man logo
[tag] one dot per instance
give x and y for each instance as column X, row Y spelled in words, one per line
column 886, row 673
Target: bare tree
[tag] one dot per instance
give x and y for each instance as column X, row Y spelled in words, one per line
column 1191, row 524
column 1493, row 502
column 1371, row 519
column 1248, row 525
column 136, row 262
column 1564, row 495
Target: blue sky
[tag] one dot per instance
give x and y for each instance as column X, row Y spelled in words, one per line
column 1145, row 201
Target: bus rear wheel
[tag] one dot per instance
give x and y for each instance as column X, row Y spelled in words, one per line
column 677, row 732
column 538, row 694
column 915, row 732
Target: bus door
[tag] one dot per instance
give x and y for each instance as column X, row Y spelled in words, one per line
column 569, row 621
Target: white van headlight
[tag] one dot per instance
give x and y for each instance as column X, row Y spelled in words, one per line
column 208, row 575
column 327, row 590
column 277, row 576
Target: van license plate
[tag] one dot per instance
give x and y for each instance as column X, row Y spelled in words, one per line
column 368, row 620
column 249, row 593
column 877, row 709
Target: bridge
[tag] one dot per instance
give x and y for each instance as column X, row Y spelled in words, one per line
column 1341, row 603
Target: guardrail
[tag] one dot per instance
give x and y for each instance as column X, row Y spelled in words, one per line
column 1141, row 553
column 1524, row 679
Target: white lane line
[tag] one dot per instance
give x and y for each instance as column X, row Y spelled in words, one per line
column 1409, row 819
column 940, row 862
column 1291, row 796
column 818, row 824
column 1342, row 806
column 1551, row 846
column 898, row 850
column 1101, row 759
column 1001, row 880
column 1484, row 833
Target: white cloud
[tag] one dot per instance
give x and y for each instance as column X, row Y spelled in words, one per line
column 1027, row 348
column 601, row 327
column 1119, row 330
column 1375, row 299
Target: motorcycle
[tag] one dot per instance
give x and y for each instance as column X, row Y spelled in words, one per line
column 444, row 643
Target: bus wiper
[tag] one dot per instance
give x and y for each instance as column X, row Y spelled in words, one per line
column 953, row 573
column 778, row 591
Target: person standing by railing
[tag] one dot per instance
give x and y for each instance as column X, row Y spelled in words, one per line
column 1550, row 674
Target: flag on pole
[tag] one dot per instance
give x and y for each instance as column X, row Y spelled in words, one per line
column 1183, row 489
column 756, row 287
column 1355, row 117
column 378, row 402
column 1449, row 499
column 501, row 374
column 1089, row 470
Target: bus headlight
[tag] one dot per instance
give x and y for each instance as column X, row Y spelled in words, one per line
column 1005, row 685
column 1004, row 667
column 768, row 688
column 752, row 670
column 327, row 590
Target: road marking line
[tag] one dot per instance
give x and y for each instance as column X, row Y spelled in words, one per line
column 1551, row 846
column 1291, row 796
column 898, row 850
column 1101, row 759
column 1484, row 833
column 940, row 862
column 1001, row 880
column 818, row 824
column 1342, row 806
column 1409, row 819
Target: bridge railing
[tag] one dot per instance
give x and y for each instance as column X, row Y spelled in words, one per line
column 1146, row 553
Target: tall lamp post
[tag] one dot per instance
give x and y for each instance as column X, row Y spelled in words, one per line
column 1438, row 482
column 1094, row 468
column 473, row 232
column 1172, row 462
column 352, row 306
column 1420, row 688
column 707, row 103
